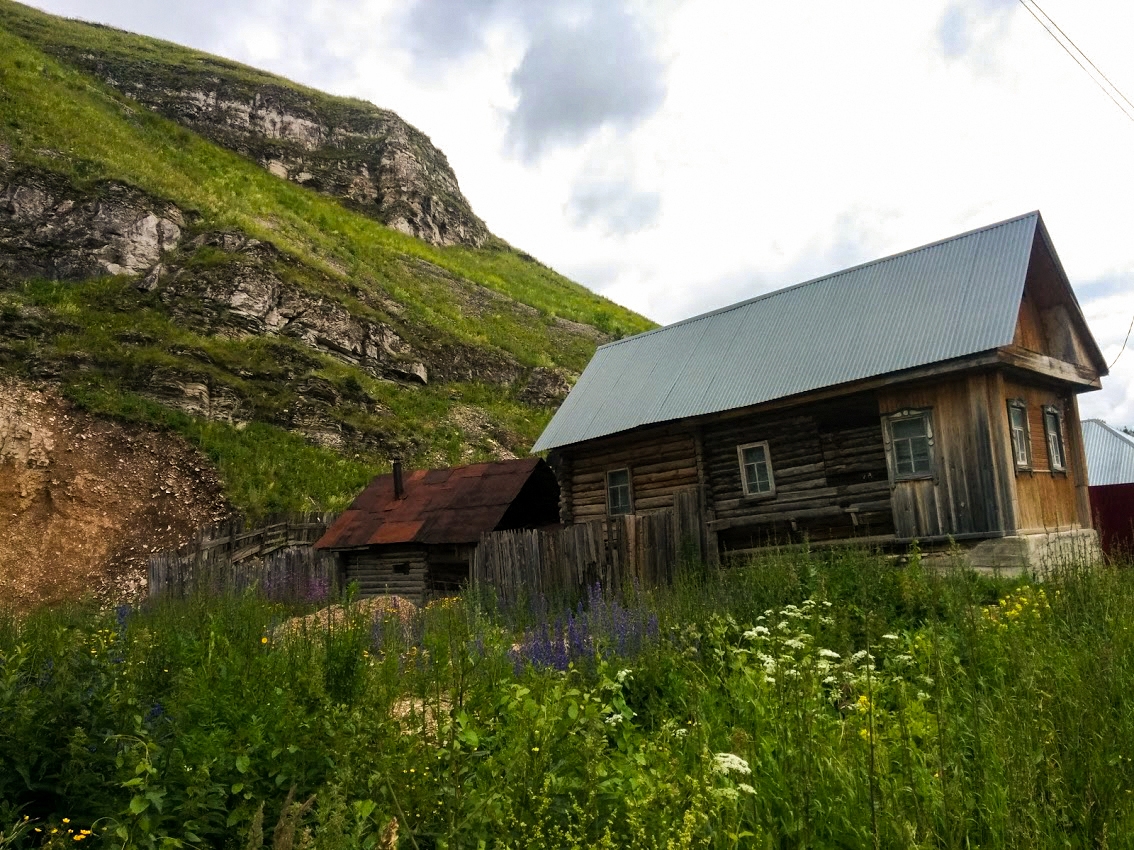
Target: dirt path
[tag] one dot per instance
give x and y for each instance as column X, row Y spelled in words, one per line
column 83, row 501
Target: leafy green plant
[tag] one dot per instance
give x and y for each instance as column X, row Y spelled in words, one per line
column 800, row 710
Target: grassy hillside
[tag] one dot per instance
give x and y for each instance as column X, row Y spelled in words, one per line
column 493, row 303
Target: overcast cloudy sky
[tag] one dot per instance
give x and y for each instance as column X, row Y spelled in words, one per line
column 680, row 155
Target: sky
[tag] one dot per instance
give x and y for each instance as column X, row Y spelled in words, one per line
column 681, row 155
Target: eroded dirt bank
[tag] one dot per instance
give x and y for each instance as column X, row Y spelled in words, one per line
column 83, row 501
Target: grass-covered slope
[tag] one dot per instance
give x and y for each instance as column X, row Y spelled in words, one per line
column 479, row 318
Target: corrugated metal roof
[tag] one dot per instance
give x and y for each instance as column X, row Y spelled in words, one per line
column 439, row 505
column 1110, row 454
column 953, row 298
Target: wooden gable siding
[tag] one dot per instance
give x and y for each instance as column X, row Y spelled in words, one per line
column 827, row 464
column 1045, row 324
column 967, row 493
column 661, row 461
column 1049, row 500
column 399, row 570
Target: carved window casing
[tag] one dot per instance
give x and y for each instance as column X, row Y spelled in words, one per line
column 1053, row 430
column 1020, row 432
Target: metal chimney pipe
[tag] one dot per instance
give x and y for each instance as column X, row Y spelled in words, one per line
column 399, row 484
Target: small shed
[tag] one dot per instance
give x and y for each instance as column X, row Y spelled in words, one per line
column 1110, row 480
column 415, row 535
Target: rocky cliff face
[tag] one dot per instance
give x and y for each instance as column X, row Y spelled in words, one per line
column 368, row 157
column 225, row 284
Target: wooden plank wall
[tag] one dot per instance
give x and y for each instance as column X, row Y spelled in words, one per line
column 394, row 570
column 829, row 470
column 661, row 462
column 231, row 554
column 1048, row 500
column 964, row 496
column 647, row 548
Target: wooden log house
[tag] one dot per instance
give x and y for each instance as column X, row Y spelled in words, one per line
column 928, row 395
column 415, row 535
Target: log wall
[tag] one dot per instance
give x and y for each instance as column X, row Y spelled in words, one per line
column 396, row 570
column 828, row 467
column 661, row 461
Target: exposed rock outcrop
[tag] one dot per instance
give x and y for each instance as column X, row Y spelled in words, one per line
column 545, row 387
column 245, row 296
column 369, row 157
column 48, row 229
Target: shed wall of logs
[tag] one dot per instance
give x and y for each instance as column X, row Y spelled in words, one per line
column 397, row 570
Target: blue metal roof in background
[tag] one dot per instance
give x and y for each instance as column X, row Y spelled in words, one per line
column 953, row 298
column 1110, row 454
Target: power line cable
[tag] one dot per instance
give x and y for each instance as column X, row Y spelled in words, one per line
column 1105, row 90
column 1081, row 53
column 1131, row 328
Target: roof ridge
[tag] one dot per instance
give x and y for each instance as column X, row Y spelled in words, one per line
column 766, row 295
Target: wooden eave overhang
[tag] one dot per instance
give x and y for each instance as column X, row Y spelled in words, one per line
column 1012, row 357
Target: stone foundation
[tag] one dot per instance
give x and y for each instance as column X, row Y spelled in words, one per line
column 1037, row 553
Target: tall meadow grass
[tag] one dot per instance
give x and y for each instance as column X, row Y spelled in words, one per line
column 803, row 700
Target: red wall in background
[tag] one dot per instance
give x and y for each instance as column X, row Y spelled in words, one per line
column 1112, row 507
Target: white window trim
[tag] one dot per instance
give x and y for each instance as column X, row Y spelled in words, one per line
column 1061, row 464
column 758, row 494
column 629, row 490
column 909, row 413
column 1021, row 405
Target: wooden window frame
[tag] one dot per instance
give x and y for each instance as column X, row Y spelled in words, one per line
column 1057, row 464
column 892, row 454
column 1022, row 406
column 629, row 491
column 770, row 493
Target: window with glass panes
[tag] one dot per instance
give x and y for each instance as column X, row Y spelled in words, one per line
column 756, row 469
column 1053, row 426
column 618, row 492
column 1021, row 440
column 911, row 443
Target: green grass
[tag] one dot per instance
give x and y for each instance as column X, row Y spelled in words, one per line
column 800, row 701
column 124, row 340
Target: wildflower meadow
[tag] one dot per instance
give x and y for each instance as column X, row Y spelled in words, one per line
column 806, row 699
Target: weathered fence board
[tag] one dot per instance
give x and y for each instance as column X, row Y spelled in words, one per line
column 278, row 555
column 649, row 549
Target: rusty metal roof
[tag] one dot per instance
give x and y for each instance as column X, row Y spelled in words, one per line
column 439, row 505
column 1110, row 454
column 950, row 299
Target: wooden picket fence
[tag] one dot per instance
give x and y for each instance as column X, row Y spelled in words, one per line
column 278, row 555
column 648, row 549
